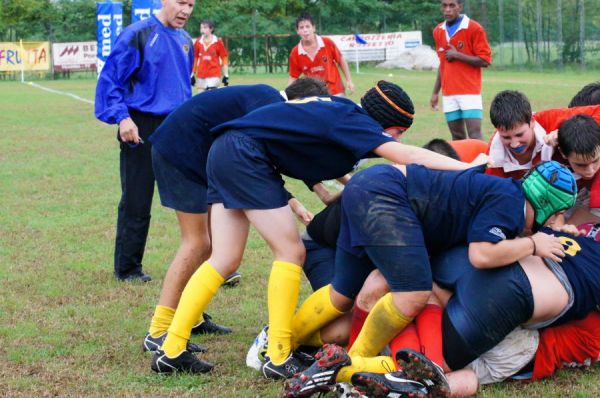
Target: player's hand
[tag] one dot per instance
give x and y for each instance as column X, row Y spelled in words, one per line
column 570, row 229
column 225, row 81
column 433, row 102
column 300, row 211
column 128, row 131
column 451, row 53
column 551, row 138
column 193, row 80
column 482, row 158
column 548, row 246
column 350, row 86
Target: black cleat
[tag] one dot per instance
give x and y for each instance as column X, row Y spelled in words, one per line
column 184, row 362
column 396, row 385
column 207, row 326
column 320, row 376
column 138, row 276
column 152, row 344
column 233, row 280
column 418, row 367
column 290, row 367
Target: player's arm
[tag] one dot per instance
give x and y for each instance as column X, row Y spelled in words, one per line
column 452, row 54
column 110, row 106
column 505, row 252
column 435, row 95
column 404, row 154
column 224, row 56
column 347, row 76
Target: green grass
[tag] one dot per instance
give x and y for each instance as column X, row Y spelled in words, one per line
column 67, row 328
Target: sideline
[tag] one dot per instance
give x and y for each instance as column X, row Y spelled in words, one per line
column 50, row 90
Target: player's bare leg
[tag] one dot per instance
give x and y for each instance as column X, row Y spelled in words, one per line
column 474, row 128
column 457, row 129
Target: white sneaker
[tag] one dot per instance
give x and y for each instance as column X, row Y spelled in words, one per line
column 255, row 358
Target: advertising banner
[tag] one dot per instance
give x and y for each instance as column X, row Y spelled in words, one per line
column 376, row 46
column 26, row 56
column 142, row 9
column 109, row 17
column 78, row 56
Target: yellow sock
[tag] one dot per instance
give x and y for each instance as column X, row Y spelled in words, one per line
column 284, row 286
column 381, row 364
column 316, row 312
column 382, row 324
column 198, row 292
column 161, row 320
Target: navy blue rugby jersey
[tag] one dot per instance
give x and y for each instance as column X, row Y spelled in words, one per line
column 312, row 139
column 184, row 138
column 464, row 207
column 582, row 266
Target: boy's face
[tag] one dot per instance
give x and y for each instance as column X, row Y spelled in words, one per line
column 305, row 29
column 518, row 139
column 451, row 9
column 395, row 132
column 585, row 166
column 205, row 30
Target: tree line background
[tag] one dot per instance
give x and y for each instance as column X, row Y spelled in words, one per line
column 547, row 33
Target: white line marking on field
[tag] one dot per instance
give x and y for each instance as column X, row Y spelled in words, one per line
column 50, row 90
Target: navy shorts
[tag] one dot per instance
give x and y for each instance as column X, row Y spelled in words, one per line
column 176, row 190
column 486, row 306
column 241, row 176
column 380, row 229
column 319, row 264
column 351, row 271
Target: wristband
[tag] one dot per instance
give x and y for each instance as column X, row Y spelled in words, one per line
column 534, row 246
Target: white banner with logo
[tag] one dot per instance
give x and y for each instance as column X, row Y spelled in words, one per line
column 377, row 46
column 74, row 56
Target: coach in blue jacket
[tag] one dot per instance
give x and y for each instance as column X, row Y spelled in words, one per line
column 146, row 76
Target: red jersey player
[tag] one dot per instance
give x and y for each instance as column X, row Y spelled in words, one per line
column 210, row 59
column 318, row 57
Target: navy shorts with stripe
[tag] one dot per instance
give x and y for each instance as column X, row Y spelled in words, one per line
column 241, row 176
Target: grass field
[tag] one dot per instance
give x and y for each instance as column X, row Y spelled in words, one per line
column 67, row 328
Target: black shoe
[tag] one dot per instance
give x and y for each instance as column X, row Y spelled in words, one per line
column 184, row 362
column 320, row 377
column 290, row 367
column 138, row 276
column 418, row 367
column 207, row 326
column 306, row 354
column 374, row 385
column 152, row 344
column 233, row 280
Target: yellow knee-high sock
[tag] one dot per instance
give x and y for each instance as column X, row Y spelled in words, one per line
column 382, row 324
column 316, row 312
column 198, row 292
column 161, row 320
column 284, row 286
column 381, row 364
column 314, row 340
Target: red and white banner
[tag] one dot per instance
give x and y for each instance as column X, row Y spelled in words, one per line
column 378, row 47
column 74, row 56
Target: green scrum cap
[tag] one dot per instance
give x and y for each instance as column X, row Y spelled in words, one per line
column 550, row 187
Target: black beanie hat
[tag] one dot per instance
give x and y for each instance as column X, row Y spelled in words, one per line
column 389, row 105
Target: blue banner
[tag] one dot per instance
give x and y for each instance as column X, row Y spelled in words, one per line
column 109, row 17
column 142, row 9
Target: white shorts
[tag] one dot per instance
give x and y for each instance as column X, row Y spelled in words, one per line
column 203, row 84
column 451, row 103
column 508, row 357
